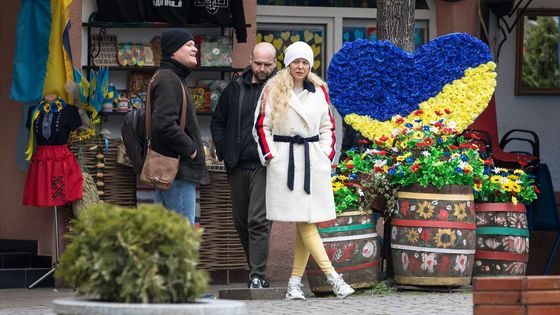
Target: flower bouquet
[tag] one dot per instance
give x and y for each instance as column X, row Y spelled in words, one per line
column 428, row 153
column 504, row 185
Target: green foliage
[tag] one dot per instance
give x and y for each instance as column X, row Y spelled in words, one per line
column 540, row 68
column 380, row 193
column 143, row 255
column 346, row 198
column 380, row 288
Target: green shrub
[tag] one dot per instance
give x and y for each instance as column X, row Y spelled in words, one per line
column 143, row 255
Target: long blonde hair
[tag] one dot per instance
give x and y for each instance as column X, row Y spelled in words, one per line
column 279, row 89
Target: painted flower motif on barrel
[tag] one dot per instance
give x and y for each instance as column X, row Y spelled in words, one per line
column 502, row 244
column 433, row 236
column 352, row 245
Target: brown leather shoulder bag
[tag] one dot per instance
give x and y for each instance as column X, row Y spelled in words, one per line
column 159, row 170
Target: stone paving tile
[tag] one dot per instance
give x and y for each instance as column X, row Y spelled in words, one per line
column 38, row 301
column 393, row 303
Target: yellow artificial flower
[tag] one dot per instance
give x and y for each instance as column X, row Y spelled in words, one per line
column 477, row 186
column 507, row 186
column 336, row 186
column 496, row 179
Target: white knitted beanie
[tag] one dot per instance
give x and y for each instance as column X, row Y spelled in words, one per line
column 298, row 50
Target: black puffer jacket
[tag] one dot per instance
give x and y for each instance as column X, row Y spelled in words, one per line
column 167, row 136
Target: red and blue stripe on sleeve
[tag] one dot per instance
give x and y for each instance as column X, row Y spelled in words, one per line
column 262, row 142
column 333, row 127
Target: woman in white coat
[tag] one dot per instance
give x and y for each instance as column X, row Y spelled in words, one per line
column 294, row 130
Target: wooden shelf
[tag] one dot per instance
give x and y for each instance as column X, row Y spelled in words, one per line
column 115, row 113
column 102, row 24
column 153, row 68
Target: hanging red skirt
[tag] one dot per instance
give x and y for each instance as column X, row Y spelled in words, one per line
column 54, row 177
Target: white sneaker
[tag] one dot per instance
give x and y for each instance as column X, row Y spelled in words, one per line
column 340, row 288
column 294, row 291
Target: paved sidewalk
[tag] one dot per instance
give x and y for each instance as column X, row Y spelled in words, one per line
column 38, row 301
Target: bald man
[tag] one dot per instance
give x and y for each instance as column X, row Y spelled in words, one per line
column 232, row 125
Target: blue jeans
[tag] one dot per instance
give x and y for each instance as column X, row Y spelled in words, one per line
column 180, row 197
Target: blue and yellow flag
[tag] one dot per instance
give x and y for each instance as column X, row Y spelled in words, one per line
column 43, row 59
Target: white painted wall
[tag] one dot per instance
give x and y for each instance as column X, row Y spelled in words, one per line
column 540, row 114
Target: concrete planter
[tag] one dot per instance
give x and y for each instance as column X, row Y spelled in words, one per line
column 84, row 306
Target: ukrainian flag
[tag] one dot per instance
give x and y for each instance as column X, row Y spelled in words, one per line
column 43, row 59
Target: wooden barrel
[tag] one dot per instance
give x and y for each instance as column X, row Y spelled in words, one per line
column 353, row 248
column 502, row 245
column 433, row 236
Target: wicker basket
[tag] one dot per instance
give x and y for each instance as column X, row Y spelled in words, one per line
column 220, row 248
column 119, row 180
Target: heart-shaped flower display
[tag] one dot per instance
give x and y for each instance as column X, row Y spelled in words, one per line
column 374, row 85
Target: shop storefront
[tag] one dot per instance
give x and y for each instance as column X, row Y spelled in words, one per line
column 325, row 26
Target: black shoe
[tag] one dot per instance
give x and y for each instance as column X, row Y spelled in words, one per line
column 258, row 283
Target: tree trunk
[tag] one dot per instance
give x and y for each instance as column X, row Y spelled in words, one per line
column 395, row 22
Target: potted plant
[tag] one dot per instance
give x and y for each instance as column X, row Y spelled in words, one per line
column 434, row 168
column 358, row 183
column 350, row 240
column 137, row 261
column 502, row 247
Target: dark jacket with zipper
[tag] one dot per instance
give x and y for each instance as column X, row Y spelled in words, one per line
column 232, row 123
column 167, row 137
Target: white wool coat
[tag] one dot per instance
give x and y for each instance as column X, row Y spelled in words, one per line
column 309, row 114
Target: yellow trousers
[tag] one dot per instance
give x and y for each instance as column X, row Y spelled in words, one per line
column 308, row 242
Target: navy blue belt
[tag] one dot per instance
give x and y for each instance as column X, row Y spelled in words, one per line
column 298, row 140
